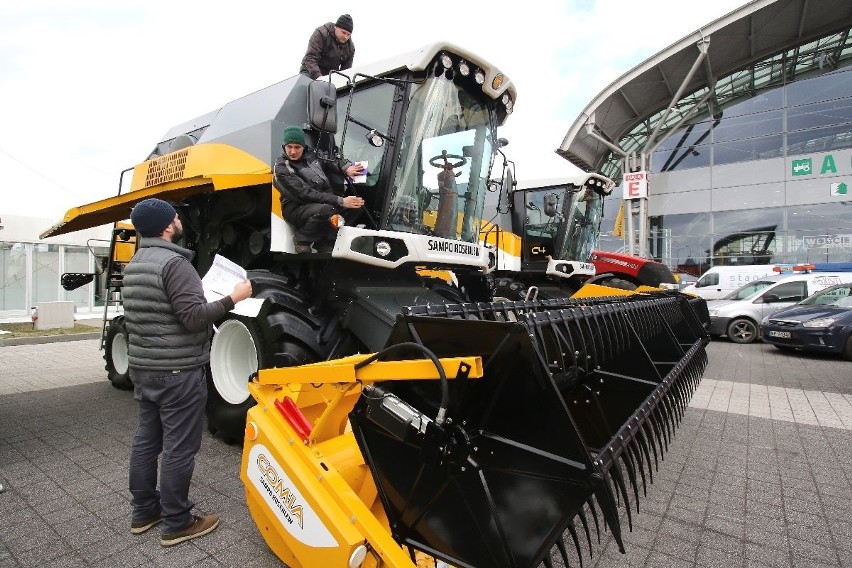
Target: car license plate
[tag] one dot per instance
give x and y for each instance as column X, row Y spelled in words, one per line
column 780, row 334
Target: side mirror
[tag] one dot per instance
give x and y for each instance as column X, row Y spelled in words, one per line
column 771, row 298
column 375, row 139
column 322, row 106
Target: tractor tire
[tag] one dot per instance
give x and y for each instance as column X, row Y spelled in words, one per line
column 115, row 354
column 513, row 290
column 287, row 335
column 742, row 330
column 236, row 353
column 509, row 289
column 446, row 290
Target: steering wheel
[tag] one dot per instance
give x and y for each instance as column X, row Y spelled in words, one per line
column 434, row 161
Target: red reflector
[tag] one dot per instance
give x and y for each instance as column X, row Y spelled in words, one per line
column 295, row 417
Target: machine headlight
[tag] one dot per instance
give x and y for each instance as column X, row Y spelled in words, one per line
column 383, row 248
column 713, row 313
column 479, row 77
column 446, row 61
column 819, row 322
column 505, row 98
column 464, row 68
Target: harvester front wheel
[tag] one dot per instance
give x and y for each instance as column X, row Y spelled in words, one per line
column 284, row 335
column 445, row 289
column 236, row 353
column 115, row 354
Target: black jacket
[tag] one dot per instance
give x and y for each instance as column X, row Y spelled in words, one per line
column 326, row 53
column 304, row 181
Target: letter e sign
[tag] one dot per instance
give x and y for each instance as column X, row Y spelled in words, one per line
column 635, row 185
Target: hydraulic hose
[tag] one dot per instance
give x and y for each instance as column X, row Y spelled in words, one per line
column 445, row 387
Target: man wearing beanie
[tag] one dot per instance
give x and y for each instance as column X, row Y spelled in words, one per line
column 329, row 49
column 308, row 199
column 169, row 330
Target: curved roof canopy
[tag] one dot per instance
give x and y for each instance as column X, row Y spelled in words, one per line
column 760, row 46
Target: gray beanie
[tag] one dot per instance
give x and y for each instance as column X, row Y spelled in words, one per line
column 151, row 216
column 345, row 22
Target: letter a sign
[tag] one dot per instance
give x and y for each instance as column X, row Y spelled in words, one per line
column 635, row 185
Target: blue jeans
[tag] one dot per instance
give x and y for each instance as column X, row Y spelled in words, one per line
column 171, row 416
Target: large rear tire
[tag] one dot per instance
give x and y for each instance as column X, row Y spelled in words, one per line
column 116, row 355
column 287, row 335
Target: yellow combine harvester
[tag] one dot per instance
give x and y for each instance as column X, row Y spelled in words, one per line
column 480, row 431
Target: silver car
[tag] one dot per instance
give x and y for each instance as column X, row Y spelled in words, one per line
column 738, row 315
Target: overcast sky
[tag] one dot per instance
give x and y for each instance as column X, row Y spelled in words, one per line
column 88, row 87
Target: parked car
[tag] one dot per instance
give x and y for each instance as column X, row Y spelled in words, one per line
column 822, row 322
column 739, row 315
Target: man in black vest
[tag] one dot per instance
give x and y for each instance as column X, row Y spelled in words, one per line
column 330, row 48
column 169, row 329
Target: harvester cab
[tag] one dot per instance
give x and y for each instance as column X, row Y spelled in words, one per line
column 426, row 132
column 544, row 233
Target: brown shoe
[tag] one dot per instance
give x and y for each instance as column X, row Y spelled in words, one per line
column 199, row 526
column 138, row 527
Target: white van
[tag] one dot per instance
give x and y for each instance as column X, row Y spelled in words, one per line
column 740, row 313
column 720, row 281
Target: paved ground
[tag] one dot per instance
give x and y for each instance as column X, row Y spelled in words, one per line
column 759, row 475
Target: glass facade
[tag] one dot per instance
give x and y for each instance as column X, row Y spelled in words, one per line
column 31, row 273
column 776, row 169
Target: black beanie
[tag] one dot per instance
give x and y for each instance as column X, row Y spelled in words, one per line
column 345, row 22
column 151, row 216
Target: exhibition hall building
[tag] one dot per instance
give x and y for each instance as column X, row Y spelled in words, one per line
column 744, row 130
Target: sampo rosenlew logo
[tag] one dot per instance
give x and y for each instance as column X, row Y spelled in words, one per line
column 283, row 496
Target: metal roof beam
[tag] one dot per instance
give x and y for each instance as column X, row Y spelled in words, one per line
column 703, row 46
column 590, row 130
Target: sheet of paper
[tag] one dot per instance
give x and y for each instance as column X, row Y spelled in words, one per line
column 221, row 278
column 249, row 307
column 361, row 178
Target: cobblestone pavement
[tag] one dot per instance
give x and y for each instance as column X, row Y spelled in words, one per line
column 759, row 473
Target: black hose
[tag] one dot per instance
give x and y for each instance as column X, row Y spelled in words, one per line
column 445, row 387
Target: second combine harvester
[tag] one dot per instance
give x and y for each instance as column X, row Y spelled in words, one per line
column 482, row 432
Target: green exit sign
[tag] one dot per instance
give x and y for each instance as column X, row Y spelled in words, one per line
column 803, row 167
